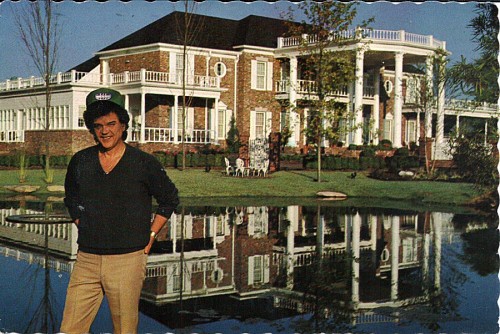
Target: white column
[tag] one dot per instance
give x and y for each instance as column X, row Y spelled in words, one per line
column 394, row 257
column 398, row 100
column 457, row 125
column 428, row 111
column 358, row 98
column 127, row 107
column 105, row 72
column 143, row 118
column 376, row 107
column 175, row 117
column 216, row 121
column 292, row 120
column 440, row 111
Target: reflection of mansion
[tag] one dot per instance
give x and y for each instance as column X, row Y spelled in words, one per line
column 254, row 252
column 244, row 69
column 251, row 256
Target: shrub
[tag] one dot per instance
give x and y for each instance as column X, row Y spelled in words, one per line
column 385, row 145
column 402, row 151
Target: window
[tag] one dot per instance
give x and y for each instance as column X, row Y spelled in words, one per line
column 179, row 67
column 260, row 124
column 388, row 86
column 224, row 122
column 411, row 131
column 261, row 75
column 220, row 69
column 258, row 269
column 81, row 122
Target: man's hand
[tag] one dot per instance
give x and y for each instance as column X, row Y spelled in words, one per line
column 149, row 245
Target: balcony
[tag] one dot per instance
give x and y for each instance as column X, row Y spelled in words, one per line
column 308, row 87
column 92, row 79
column 395, row 36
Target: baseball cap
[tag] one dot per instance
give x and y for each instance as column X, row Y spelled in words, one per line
column 105, row 94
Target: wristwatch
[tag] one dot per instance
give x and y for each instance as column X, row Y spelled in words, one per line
column 153, row 234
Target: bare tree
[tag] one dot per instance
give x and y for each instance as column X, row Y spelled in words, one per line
column 188, row 30
column 39, row 32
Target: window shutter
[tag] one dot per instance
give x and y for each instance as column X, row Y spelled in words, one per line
column 266, row 268
column 269, row 72
column 172, row 66
column 229, row 117
column 253, row 75
column 250, row 270
column 252, row 124
column 190, row 119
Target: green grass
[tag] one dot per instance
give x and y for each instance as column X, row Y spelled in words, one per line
column 197, row 184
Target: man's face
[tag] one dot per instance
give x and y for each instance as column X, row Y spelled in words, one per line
column 108, row 130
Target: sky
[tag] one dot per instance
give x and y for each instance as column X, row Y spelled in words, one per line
column 90, row 26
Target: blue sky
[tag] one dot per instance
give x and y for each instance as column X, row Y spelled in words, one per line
column 91, row 26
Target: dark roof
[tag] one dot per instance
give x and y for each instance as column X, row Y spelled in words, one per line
column 206, row 31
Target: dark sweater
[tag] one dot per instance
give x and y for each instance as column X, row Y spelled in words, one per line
column 115, row 209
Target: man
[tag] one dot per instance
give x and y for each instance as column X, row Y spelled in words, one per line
column 109, row 190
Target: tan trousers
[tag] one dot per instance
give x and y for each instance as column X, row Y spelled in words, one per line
column 119, row 277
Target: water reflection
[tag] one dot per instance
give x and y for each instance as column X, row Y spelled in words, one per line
column 322, row 268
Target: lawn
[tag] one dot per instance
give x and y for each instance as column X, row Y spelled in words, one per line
column 196, row 183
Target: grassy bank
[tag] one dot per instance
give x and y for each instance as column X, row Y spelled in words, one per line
column 195, row 183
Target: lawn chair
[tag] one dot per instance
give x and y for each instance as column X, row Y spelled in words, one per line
column 240, row 167
column 229, row 168
column 263, row 168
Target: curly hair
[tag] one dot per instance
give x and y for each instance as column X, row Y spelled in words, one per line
column 103, row 108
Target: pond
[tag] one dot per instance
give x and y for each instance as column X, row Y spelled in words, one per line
column 323, row 267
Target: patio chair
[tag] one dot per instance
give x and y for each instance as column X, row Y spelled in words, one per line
column 263, row 168
column 229, row 168
column 240, row 167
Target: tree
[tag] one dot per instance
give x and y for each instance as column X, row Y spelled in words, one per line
column 327, row 62
column 39, row 32
column 478, row 78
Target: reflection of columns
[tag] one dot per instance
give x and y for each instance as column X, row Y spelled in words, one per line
column 320, row 234
column 373, row 232
column 398, row 100
column 358, row 98
column 428, row 111
column 356, row 237
column 457, row 125
column 376, row 107
column 173, row 233
column 436, row 229
column 143, row 118
column 394, row 257
column 425, row 265
column 289, row 254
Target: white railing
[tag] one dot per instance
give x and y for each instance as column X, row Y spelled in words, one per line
column 468, row 105
column 369, row 34
column 309, row 87
column 143, row 76
column 168, row 135
column 12, row 136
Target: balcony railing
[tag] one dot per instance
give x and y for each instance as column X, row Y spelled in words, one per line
column 309, row 87
column 169, row 135
column 143, row 76
column 369, row 34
